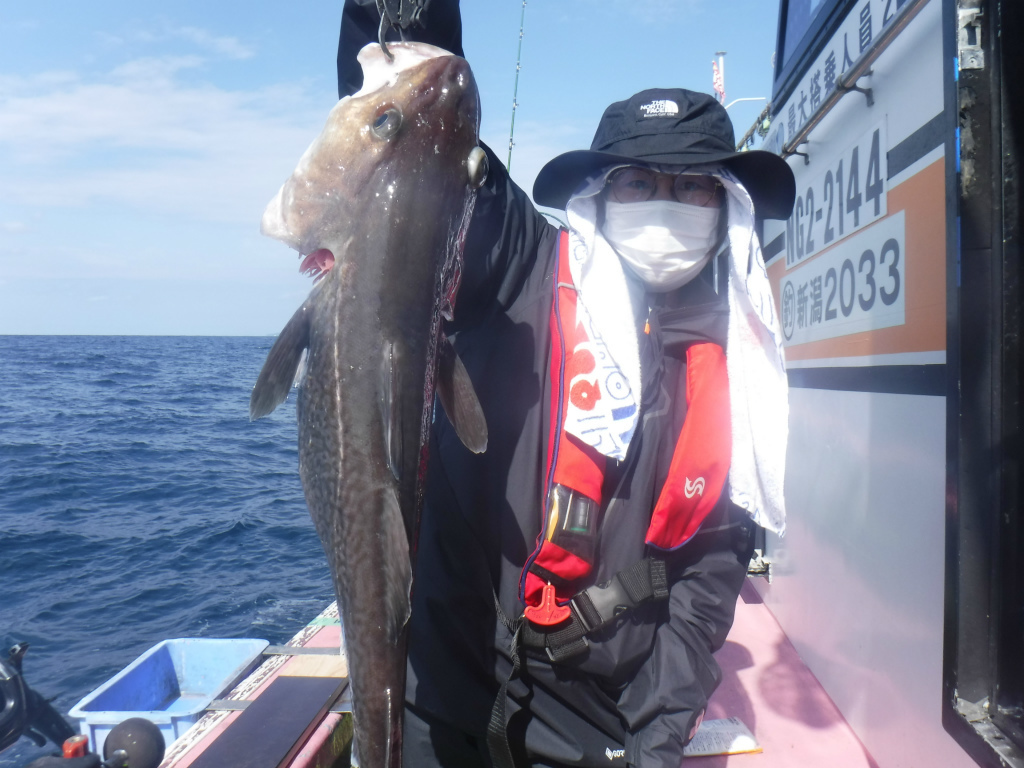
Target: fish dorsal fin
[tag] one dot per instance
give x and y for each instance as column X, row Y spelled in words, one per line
column 282, row 364
column 391, row 408
column 459, row 400
column 397, row 568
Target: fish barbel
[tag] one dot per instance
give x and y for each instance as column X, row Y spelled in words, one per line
column 379, row 206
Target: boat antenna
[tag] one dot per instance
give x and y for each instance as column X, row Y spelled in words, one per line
column 515, row 91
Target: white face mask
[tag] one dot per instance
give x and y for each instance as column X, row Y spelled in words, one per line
column 665, row 243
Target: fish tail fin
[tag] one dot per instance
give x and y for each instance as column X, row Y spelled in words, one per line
column 278, row 374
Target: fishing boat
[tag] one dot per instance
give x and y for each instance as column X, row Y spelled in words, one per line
column 291, row 707
column 885, row 628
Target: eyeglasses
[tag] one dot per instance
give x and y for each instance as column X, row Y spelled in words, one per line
column 634, row 184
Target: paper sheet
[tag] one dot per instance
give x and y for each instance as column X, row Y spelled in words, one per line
column 722, row 737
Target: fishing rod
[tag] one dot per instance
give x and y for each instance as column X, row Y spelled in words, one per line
column 515, row 91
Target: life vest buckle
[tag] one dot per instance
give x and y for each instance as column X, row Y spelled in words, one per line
column 602, row 604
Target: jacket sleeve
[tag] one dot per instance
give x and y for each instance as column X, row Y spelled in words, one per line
column 505, row 237
column 668, row 695
column 506, row 232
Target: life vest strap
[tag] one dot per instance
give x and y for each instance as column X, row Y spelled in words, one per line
column 596, row 607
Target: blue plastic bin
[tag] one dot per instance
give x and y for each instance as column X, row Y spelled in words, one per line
column 171, row 685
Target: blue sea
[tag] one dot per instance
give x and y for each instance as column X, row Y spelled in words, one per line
column 138, row 503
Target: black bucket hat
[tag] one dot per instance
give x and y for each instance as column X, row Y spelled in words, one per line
column 670, row 126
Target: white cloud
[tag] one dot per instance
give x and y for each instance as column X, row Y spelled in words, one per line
column 221, row 46
column 14, row 85
column 141, row 138
column 144, row 174
column 109, row 39
column 159, row 68
column 228, row 47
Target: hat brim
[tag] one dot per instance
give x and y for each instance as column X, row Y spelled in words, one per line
column 766, row 176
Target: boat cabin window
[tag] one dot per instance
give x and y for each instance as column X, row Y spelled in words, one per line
column 805, row 26
column 799, row 14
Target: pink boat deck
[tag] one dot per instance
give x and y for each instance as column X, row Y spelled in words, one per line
column 765, row 685
column 768, row 687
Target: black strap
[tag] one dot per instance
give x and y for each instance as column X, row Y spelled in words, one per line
column 497, row 728
column 600, row 605
column 565, row 643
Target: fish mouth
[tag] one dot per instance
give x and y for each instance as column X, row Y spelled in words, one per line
column 317, row 264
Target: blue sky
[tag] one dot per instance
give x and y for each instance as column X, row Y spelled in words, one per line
column 140, row 142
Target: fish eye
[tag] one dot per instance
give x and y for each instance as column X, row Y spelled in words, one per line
column 387, row 123
column 477, row 165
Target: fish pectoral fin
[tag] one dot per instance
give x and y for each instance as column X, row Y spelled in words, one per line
column 391, row 408
column 459, row 400
column 279, row 370
column 397, row 568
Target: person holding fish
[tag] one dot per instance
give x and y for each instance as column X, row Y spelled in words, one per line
column 573, row 581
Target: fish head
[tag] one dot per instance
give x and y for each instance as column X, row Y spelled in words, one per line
column 416, row 118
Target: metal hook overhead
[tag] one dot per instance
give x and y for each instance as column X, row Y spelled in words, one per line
column 397, row 14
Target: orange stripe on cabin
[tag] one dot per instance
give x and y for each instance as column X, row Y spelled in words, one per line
column 922, row 197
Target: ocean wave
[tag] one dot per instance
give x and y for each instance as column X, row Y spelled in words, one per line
column 138, row 503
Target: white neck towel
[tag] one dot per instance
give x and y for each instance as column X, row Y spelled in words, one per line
column 607, row 307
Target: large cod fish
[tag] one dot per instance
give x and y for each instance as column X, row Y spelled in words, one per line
column 379, row 206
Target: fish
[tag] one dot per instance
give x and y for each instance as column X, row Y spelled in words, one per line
column 378, row 208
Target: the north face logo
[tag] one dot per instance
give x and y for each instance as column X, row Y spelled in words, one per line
column 694, row 487
column 614, row 754
column 660, row 108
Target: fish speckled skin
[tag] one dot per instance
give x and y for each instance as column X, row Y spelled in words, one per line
column 388, row 190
